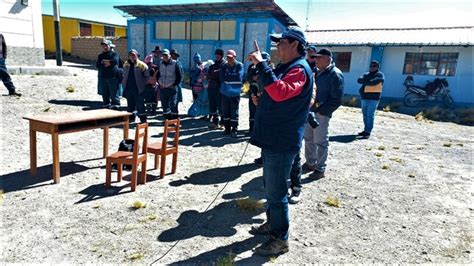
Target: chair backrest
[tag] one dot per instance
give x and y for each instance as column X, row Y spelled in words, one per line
column 171, row 126
column 141, row 136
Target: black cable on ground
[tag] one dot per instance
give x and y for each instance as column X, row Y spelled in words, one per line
column 199, row 219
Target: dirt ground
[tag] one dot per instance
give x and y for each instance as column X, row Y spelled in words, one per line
column 405, row 195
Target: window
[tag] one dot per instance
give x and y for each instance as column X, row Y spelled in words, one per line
column 109, row 31
column 432, row 64
column 196, row 30
column 85, row 29
column 162, row 30
column 342, row 60
column 178, row 30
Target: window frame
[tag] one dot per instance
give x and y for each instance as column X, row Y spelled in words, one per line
column 335, row 59
column 442, row 64
column 81, row 27
column 197, row 27
column 108, row 29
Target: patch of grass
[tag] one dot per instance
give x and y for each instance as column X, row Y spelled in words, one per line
column 396, row 147
column 378, row 154
column 138, row 204
column 369, row 148
column 395, row 159
column 96, row 206
column 412, row 175
column 272, row 259
column 381, row 148
column 460, row 145
column 332, row 201
column 249, row 205
column 147, row 218
column 136, row 256
column 385, row 167
column 47, row 109
column 70, row 89
column 447, row 145
column 420, row 148
column 226, row 260
column 463, row 116
column 1, row 196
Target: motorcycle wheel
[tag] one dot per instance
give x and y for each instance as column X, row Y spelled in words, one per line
column 448, row 101
column 411, row 99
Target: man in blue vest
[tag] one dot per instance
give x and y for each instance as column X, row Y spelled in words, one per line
column 280, row 120
column 169, row 78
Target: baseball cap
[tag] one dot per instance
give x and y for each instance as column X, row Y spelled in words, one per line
column 324, row 51
column 133, row 51
column 312, row 48
column 292, row 32
column 108, row 43
column 165, row 52
column 219, row 51
column 231, row 53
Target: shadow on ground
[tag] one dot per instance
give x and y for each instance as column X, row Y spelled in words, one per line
column 23, row 180
column 215, row 175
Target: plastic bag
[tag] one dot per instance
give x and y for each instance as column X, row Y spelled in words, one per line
column 200, row 106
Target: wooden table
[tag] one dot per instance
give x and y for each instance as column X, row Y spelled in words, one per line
column 69, row 123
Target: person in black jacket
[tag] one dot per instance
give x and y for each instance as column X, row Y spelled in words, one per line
column 330, row 88
column 213, row 90
column 107, row 63
column 370, row 92
column 6, row 79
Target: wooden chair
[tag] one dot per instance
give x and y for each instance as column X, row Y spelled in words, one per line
column 163, row 148
column 134, row 158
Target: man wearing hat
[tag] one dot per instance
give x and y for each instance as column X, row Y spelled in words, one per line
column 311, row 57
column 175, row 56
column 169, row 77
column 107, row 63
column 330, row 88
column 279, row 125
column 213, row 89
column 231, row 76
column 135, row 78
column 370, row 97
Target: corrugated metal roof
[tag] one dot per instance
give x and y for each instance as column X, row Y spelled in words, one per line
column 446, row 36
column 237, row 7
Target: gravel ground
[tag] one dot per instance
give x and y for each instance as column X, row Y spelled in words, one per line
column 405, row 194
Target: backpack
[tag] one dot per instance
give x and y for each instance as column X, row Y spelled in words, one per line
column 125, row 145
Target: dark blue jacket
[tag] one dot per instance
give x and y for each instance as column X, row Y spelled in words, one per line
column 279, row 125
column 231, row 79
column 370, row 79
column 330, row 88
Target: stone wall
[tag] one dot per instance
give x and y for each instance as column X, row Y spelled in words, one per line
column 25, row 56
column 89, row 47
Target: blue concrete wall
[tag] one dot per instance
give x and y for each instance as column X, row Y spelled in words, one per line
column 461, row 85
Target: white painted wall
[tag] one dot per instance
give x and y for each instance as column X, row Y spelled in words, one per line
column 21, row 25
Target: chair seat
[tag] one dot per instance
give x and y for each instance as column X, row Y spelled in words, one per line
column 125, row 157
column 156, row 147
column 121, row 155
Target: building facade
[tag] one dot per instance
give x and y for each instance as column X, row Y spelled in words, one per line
column 424, row 53
column 74, row 27
column 20, row 24
column 202, row 28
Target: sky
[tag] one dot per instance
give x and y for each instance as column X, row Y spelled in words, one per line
column 338, row 14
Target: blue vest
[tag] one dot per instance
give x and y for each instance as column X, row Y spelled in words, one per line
column 279, row 126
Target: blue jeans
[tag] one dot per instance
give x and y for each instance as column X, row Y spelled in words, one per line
column 110, row 91
column 169, row 101
column 368, row 112
column 135, row 101
column 276, row 170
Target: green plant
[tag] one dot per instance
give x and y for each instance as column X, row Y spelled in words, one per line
column 332, row 201
column 249, row 205
column 226, row 260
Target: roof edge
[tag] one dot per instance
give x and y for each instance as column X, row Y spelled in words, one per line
column 374, row 29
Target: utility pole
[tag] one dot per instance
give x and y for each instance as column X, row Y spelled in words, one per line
column 307, row 15
column 57, row 34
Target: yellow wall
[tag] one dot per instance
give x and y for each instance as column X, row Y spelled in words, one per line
column 69, row 29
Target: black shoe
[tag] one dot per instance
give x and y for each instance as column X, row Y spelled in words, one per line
column 14, row 93
column 294, row 197
column 263, row 229
column 212, row 126
column 364, row 135
column 316, row 175
column 273, row 247
column 233, row 133
column 307, row 168
column 258, row 161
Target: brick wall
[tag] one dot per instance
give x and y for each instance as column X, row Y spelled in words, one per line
column 89, row 47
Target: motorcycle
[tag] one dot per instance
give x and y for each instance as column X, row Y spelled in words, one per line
column 436, row 90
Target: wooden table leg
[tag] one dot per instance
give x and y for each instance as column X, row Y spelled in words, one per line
column 33, row 163
column 106, row 141
column 126, row 126
column 55, row 137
